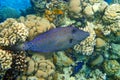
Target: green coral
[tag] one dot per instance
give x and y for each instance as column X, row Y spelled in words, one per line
column 111, row 67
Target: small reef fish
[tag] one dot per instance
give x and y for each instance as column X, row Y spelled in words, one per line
column 56, row 39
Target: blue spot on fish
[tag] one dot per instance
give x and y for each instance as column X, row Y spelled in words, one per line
column 57, row 39
column 77, row 68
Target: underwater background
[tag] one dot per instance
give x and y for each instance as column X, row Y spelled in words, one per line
column 59, row 39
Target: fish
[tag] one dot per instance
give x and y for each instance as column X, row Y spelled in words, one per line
column 53, row 40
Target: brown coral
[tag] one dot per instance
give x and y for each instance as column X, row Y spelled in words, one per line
column 19, row 62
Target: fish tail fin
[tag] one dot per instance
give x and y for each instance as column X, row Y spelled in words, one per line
column 18, row 47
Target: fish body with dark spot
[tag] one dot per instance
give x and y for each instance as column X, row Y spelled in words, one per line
column 57, row 39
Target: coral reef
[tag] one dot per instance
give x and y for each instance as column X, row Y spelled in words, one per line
column 112, row 13
column 5, row 59
column 94, row 75
column 112, row 67
column 115, row 49
column 19, row 62
column 96, row 58
column 61, row 59
column 39, row 5
column 12, row 33
column 86, row 47
column 39, row 68
column 74, row 6
column 36, row 25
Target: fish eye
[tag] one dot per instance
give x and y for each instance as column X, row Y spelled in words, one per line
column 71, row 40
column 74, row 30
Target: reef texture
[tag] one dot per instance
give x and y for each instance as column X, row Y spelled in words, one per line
column 100, row 52
column 12, row 32
column 86, row 47
column 36, row 25
column 112, row 67
column 112, row 13
column 5, row 59
column 38, row 68
column 61, row 59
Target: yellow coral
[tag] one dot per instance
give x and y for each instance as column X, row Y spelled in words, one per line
column 5, row 59
column 112, row 13
column 12, row 32
column 39, row 67
column 88, row 44
column 36, row 25
column 111, row 67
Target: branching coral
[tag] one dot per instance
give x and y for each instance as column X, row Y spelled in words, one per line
column 5, row 59
column 61, row 59
column 36, row 25
column 112, row 13
column 19, row 62
column 12, row 32
column 86, row 47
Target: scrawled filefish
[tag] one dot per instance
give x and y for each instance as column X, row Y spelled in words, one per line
column 57, row 39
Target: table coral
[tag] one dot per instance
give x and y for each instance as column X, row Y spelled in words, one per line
column 36, row 25
column 5, row 59
column 13, row 33
column 86, row 47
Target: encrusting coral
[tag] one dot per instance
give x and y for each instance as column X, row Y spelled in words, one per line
column 12, row 32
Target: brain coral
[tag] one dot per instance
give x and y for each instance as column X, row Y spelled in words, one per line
column 39, row 67
column 12, row 32
column 86, row 47
column 36, row 25
column 5, row 59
